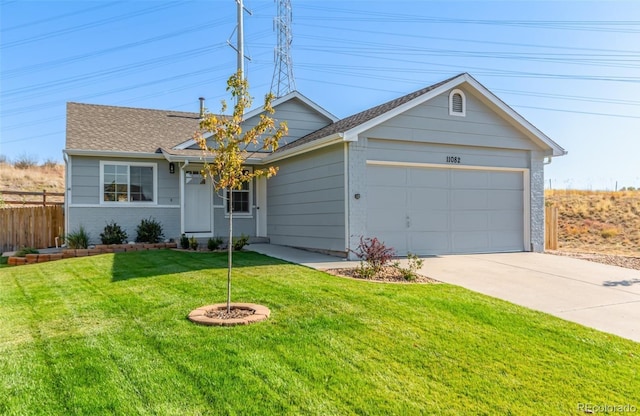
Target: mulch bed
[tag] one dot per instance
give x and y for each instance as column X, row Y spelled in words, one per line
column 235, row 313
column 388, row 274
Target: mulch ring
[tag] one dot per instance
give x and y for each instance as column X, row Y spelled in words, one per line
column 388, row 274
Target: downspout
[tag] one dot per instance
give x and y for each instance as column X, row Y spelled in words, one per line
column 67, row 197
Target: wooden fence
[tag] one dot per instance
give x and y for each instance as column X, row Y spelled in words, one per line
column 30, row 227
column 31, row 198
column 551, row 228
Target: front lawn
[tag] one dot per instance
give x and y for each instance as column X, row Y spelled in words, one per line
column 108, row 335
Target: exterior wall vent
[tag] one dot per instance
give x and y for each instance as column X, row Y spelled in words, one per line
column 457, row 103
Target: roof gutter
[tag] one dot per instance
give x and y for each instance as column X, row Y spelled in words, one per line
column 111, row 153
column 304, row 148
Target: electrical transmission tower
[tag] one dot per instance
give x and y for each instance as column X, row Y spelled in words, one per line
column 283, row 82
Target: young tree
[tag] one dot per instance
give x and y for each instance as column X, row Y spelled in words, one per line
column 226, row 148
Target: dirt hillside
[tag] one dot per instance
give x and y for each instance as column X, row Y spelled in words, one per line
column 597, row 221
column 35, row 178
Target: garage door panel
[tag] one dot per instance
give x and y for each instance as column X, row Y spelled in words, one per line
column 429, row 178
column 505, row 241
column 386, row 176
column 470, row 242
column 382, row 220
column 469, row 199
column 500, row 199
column 505, row 220
column 433, row 221
column 428, row 199
column 382, row 197
column 429, row 242
column 471, row 221
column 469, row 179
column 397, row 240
column 506, row 180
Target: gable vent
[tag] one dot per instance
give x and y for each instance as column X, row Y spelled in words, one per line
column 457, row 103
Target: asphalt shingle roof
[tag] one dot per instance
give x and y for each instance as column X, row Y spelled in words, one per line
column 125, row 129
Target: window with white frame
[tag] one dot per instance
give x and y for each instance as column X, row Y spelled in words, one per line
column 241, row 199
column 128, row 182
column 457, row 103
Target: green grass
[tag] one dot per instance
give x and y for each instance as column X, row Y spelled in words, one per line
column 109, row 335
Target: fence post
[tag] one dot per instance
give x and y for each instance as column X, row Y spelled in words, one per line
column 44, row 197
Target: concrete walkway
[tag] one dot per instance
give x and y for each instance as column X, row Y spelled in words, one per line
column 596, row 295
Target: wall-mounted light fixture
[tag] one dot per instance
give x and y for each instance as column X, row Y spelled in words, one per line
column 357, row 196
column 172, row 168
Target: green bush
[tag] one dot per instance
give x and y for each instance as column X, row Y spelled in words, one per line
column 113, row 234
column 4, row 260
column 411, row 271
column 240, row 242
column 78, row 239
column 193, row 243
column 26, row 250
column 149, row 231
column 184, row 242
column 214, row 243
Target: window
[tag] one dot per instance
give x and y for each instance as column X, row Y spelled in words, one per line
column 241, row 199
column 457, row 103
column 123, row 182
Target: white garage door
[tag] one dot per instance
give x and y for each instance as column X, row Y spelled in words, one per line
column 445, row 211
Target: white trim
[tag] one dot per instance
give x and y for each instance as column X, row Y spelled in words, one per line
column 463, row 113
column 123, row 205
column 526, row 186
column 347, row 199
column 261, row 207
column 526, row 190
column 67, row 190
column 111, row 153
column 128, row 203
column 442, row 166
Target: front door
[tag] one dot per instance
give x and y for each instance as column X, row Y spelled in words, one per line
column 197, row 203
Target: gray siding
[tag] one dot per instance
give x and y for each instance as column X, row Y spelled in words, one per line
column 301, row 120
column 306, row 206
column 93, row 219
column 431, row 122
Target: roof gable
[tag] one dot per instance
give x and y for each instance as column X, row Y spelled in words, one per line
column 353, row 125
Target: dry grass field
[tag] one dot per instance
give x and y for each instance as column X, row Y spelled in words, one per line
column 32, row 178
column 597, row 221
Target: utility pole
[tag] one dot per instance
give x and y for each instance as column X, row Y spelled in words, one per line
column 283, row 82
column 239, row 48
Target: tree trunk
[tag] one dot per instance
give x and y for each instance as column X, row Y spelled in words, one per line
column 230, row 251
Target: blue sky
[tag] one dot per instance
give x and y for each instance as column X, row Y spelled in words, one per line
column 571, row 68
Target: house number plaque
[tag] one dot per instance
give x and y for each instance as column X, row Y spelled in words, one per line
column 454, row 159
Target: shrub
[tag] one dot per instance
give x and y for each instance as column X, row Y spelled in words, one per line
column 4, row 260
column 113, row 234
column 25, row 161
column 50, row 164
column 410, row 272
column 609, row 232
column 373, row 254
column 184, row 241
column 240, row 242
column 149, row 231
column 26, row 250
column 214, row 243
column 78, row 239
column 193, row 243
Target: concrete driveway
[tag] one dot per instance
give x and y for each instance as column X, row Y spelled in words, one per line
column 596, row 295
column 592, row 294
